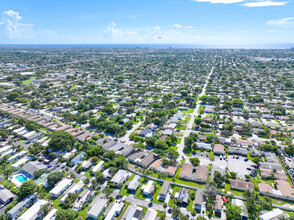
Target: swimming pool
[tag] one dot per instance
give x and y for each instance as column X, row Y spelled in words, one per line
column 21, row 178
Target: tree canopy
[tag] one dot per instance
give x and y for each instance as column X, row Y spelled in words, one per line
column 61, row 140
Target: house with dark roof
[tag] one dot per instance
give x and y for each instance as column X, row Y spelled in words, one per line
column 241, row 185
column 218, row 204
column 183, row 196
column 198, row 200
column 133, row 213
column 146, row 132
column 31, row 167
column 164, row 190
column 219, row 149
column 6, row 196
column 201, row 174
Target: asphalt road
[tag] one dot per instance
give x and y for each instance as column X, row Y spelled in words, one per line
column 144, row 203
column 190, row 123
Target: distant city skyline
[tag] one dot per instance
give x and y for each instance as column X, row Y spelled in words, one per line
column 224, row 23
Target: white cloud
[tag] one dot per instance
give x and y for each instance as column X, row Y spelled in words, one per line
column 114, row 33
column 264, row 4
column 177, row 26
column 11, row 27
column 281, row 22
column 220, row 1
column 156, row 34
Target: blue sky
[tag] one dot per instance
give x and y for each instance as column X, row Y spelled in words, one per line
column 206, row 22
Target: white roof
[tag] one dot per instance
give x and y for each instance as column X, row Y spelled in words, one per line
column 237, row 202
column 6, row 148
column 147, row 188
column 19, row 129
column 18, row 163
column 76, row 188
column 86, row 164
column 7, row 153
column 45, row 144
column 98, row 166
column 62, row 185
column 115, row 208
column 120, row 176
column 270, row 215
column 19, row 154
column 22, row 132
column 42, row 140
column 50, row 215
column 150, row 214
column 28, row 135
column 32, row 212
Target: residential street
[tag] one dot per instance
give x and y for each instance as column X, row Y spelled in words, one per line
column 190, row 123
column 125, row 138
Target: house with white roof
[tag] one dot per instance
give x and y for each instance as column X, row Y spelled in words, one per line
column 60, row 187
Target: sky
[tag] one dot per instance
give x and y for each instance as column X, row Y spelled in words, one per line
column 198, row 22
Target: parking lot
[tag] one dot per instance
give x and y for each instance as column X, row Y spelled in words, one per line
column 238, row 166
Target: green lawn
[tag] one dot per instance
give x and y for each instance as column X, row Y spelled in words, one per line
column 138, row 193
column 175, row 189
column 156, row 193
column 174, row 148
column 83, row 213
column 124, row 189
column 123, row 212
column 200, row 108
column 188, row 111
column 28, row 81
column 88, row 174
column 190, row 207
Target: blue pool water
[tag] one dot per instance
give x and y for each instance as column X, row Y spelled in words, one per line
column 21, row 178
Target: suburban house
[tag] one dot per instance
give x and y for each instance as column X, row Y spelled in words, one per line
column 113, row 210
column 204, row 146
column 237, row 150
column 219, row 149
column 148, row 188
column 151, row 214
column 60, row 187
column 96, row 207
column 240, row 203
column 274, row 214
column 241, row 185
column 198, row 200
column 133, row 213
column 97, row 167
column 51, row 215
column 78, row 158
column 13, row 213
column 31, row 167
column 164, row 190
column 134, row 183
column 34, row 211
column 75, row 188
column 201, row 174
column 218, row 204
column 188, row 172
column 6, row 196
column 120, row 177
column 182, row 196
